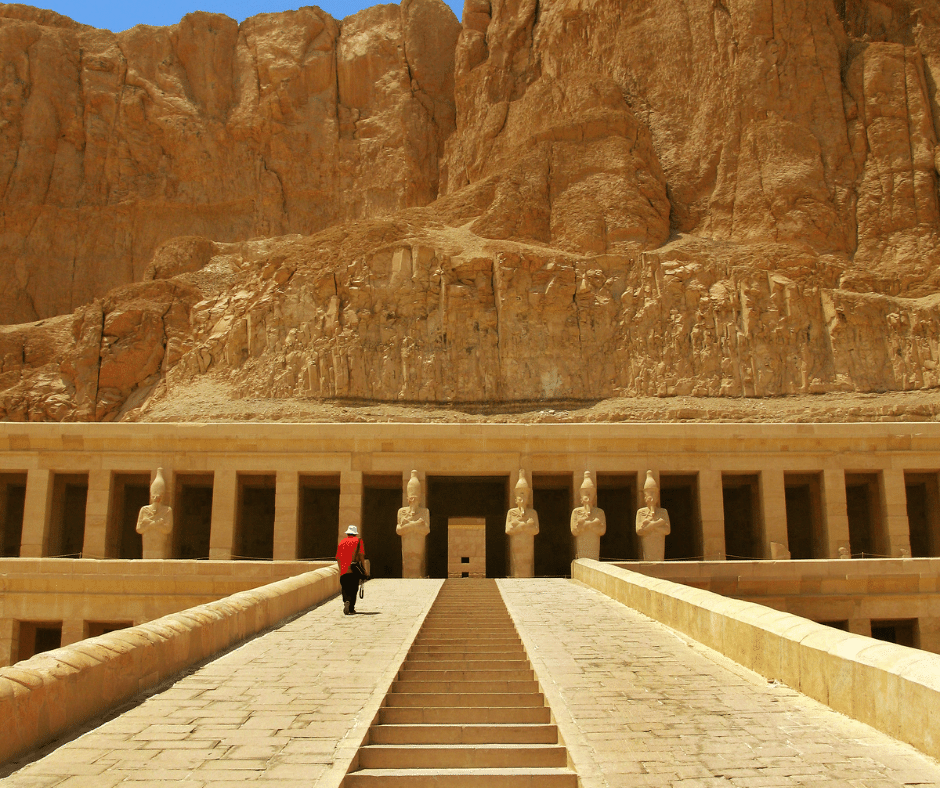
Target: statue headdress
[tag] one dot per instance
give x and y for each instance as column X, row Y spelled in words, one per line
column 652, row 487
column 587, row 486
column 414, row 486
column 523, row 486
column 158, row 485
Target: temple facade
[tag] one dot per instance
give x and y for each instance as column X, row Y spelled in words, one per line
column 776, row 501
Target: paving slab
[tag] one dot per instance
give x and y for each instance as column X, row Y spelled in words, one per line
column 639, row 705
column 289, row 707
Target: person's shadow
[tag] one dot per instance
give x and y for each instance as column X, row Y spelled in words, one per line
column 368, row 613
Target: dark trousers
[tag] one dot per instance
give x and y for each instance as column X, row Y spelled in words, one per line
column 350, row 585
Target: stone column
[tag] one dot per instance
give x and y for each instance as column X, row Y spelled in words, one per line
column 712, row 515
column 96, row 515
column 894, row 512
column 286, row 508
column 835, row 512
column 73, row 630
column 350, row 503
column 773, row 506
column 36, row 512
column 224, row 502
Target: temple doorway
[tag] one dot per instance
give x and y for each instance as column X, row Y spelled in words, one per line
column 616, row 496
column 679, row 496
column 554, row 545
column 381, row 500
column 467, row 496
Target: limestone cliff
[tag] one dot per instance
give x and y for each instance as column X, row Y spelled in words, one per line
column 571, row 200
column 288, row 123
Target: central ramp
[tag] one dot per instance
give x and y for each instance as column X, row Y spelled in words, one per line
column 465, row 710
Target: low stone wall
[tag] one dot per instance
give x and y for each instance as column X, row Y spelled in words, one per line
column 892, row 688
column 53, row 692
column 78, row 591
column 855, row 592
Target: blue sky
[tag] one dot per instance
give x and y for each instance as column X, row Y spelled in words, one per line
column 120, row 15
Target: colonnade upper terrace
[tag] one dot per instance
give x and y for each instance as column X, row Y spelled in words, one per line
column 285, row 491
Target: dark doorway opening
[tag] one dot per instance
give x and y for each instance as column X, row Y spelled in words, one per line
column 469, row 496
column 36, row 637
column 319, row 517
column 254, row 517
column 12, row 505
column 67, row 521
column 554, row 545
column 902, row 631
column 843, row 625
column 863, row 503
column 923, row 514
column 129, row 493
column 741, row 498
column 381, row 500
column 805, row 537
column 192, row 515
column 679, row 496
column 616, row 496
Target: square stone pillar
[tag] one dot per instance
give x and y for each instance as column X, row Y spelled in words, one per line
column 860, row 626
column 286, row 509
column 224, row 501
column 73, row 630
column 773, row 506
column 712, row 515
column 96, row 515
column 37, row 509
column 835, row 512
column 640, row 500
column 9, row 641
column 350, row 501
column 894, row 512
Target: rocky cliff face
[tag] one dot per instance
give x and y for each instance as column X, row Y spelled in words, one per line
column 563, row 200
column 288, row 123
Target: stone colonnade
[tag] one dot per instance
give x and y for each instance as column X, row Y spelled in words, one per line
column 35, row 540
column 723, row 469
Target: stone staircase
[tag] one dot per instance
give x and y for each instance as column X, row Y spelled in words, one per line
column 466, row 710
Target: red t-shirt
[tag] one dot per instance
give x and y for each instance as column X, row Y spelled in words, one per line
column 346, row 551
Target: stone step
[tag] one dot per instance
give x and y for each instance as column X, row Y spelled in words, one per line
column 410, row 674
column 462, row 778
column 463, row 637
column 451, row 633
column 483, row 663
column 462, row 756
column 464, row 734
column 464, row 715
column 444, row 648
column 459, row 699
column 413, row 686
column 465, row 710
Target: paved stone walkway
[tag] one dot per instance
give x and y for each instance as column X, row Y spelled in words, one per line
column 287, row 709
column 637, row 705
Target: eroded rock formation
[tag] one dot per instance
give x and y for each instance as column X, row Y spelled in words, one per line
column 567, row 200
column 287, row 123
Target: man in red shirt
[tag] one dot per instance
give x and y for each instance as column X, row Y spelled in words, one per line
column 349, row 550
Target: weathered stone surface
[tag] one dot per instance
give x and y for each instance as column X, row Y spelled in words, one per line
column 567, row 201
column 112, row 144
